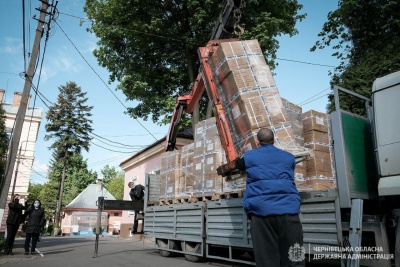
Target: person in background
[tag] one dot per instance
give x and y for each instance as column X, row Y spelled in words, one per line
column 14, row 219
column 34, row 225
column 137, row 194
column 272, row 203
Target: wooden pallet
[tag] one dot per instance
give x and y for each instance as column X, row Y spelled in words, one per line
column 227, row 195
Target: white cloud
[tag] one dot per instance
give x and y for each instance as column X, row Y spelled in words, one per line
column 11, row 46
column 40, row 167
column 60, row 63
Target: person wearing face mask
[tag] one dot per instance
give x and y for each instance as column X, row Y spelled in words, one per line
column 34, row 225
column 14, row 219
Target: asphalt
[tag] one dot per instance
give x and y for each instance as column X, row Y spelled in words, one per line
column 48, row 245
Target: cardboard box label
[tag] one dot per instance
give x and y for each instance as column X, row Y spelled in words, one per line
column 235, row 112
column 319, row 120
column 198, row 166
column 210, row 161
column 198, row 144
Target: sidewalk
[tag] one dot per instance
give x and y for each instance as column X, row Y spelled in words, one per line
column 18, row 251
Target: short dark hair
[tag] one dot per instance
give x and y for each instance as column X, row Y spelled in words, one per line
column 265, row 136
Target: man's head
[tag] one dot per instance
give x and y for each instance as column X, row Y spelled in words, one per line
column 131, row 184
column 265, row 136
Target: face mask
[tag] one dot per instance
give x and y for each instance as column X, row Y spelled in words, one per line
column 36, row 205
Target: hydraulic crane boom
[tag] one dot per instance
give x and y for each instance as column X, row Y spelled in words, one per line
column 227, row 23
column 187, row 103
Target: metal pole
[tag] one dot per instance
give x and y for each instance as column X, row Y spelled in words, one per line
column 100, row 204
column 19, row 120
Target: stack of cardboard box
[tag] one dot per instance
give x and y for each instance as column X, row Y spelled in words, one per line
column 251, row 101
column 170, row 174
column 250, row 97
column 186, row 181
column 319, row 171
column 208, row 156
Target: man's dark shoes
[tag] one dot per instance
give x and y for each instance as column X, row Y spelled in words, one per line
column 26, row 253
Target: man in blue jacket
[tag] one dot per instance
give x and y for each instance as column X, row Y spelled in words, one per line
column 272, row 203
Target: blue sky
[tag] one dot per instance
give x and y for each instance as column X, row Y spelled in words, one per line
column 296, row 82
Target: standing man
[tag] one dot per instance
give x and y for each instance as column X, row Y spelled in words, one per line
column 14, row 219
column 272, row 203
column 136, row 193
column 34, row 225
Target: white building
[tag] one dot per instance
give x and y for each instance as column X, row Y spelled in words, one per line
column 26, row 148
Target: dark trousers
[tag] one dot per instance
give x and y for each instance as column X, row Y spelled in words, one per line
column 277, row 241
column 12, row 230
column 31, row 236
column 136, row 222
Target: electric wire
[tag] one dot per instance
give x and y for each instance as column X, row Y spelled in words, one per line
column 314, row 96
column 128, row 152
column 100, row 77
column 23, row 34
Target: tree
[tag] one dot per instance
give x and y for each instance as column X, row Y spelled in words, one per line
column 77, row 178
column 116, row 187
column 366, row 35
column 113, row 181
column 3, row 144
column 34, row 192
column 70, row 126
column 150, row 47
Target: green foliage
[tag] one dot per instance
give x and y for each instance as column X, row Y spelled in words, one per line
column 113, row 181
column 366, row 36
column 68, row 121
column 150, row 47
column 116, row 188
column 77, row 178
column 34, row 192
column 3, row 143
column 110, row 173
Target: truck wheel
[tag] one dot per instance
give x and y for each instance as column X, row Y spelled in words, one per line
column 192, row 247
column 163, row 243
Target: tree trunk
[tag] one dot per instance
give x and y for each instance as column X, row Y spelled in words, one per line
column 57, row 224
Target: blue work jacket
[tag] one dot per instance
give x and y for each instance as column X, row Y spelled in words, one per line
column 270, row 187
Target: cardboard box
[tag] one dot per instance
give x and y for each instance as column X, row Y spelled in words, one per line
column 295, row 119
column 320, row 165
column 314, row 120
column 321, row 184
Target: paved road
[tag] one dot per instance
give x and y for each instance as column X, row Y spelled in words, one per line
column 113, row 251
column 79, row 251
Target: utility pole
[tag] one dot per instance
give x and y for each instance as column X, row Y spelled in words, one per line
column 19, row 120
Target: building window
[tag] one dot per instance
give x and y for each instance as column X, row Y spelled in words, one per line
column 116, row 214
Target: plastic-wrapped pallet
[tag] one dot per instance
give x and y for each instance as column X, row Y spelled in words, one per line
column 319, row 172
column 170, row 174
column 187, row 175
column 250, row 97
column 208, row 156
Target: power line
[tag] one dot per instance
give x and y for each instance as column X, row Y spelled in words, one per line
column 130, row 152
column 100, row 77
column 135, row 146
column 313, row 100
column 313, row 96
column 304, row 62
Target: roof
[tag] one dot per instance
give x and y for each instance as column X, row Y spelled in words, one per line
column 87, row 198
column 37, row 112
column 185, row 134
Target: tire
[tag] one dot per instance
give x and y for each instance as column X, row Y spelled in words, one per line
column 163, row 243
column 192, row 247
